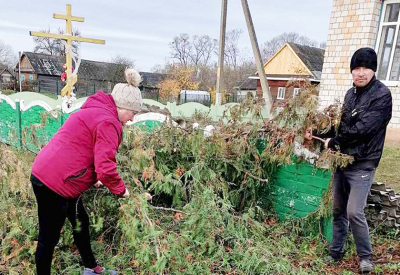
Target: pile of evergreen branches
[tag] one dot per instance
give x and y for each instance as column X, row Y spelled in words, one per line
column 196, row 200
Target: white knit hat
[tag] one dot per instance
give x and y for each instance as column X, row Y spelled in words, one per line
column 128, row 96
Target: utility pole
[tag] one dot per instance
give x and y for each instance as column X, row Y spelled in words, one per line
column 257, row 56
column 19, row 72
column 220, row 70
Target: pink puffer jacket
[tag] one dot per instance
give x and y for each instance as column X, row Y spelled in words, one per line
column 83, row 150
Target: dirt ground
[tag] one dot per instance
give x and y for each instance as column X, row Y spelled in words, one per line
column 392, row 138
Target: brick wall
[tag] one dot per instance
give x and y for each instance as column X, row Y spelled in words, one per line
column 353, row 24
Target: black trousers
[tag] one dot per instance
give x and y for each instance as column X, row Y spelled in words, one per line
column 52, row 211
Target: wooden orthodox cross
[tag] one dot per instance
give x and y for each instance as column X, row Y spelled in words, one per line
column 68, row 37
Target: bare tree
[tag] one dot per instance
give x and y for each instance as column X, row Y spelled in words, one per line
column 322, row 45
column 203, row 48
column 45, row 44
column 62, row 51
column 232, row 51
column 115, row 72
column 7, row 56
column 181, row 48
column 269, row 48
column 197, row 54
column 54, row 46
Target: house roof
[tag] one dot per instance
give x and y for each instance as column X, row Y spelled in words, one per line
column 312, row 57
column 248, row 84
column 44, row 64
column 152, row 79
column 4, row 68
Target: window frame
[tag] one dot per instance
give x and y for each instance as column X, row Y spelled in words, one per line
column 383, row 24
column 296, row 92
column 284, row 92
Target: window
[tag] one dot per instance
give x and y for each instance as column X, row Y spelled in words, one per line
column 31, row 77
column 388, row 43
column 296, row 92
column 281, row 93
column 22, row 77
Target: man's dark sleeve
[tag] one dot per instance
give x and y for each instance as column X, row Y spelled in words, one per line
column 368, row 124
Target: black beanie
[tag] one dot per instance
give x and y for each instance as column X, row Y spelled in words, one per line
column 364, row 57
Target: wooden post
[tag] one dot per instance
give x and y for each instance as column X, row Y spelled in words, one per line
column 19, row 122
column 220, row 70
column 257, row 56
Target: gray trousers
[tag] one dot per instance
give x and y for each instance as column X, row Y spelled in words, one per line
column 350, row 192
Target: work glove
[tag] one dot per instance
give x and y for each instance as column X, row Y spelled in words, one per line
column 98, row 184
column 126, row 194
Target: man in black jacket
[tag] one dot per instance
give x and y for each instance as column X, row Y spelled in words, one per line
column 367, row 110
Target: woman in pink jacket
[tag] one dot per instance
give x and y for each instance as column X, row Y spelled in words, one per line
column 81, row 153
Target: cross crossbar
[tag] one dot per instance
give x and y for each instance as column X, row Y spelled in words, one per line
column 67, row 37
column 66, row 17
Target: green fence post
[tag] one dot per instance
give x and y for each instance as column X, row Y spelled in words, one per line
column 19, row 122
column 62, row 118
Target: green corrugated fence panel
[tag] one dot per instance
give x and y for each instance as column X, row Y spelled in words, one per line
column 33, row 139
column 306, row 169
column 277, row 191
column 307, row 179
column 8, row 119
column 37, row 138
column 297, row 190
column 299, row 186
column 147, row 125
column 294, row 203
column 287, row 212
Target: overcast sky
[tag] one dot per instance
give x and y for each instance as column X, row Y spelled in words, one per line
column 143, row 29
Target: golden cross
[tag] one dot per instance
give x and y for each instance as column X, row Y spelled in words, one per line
column 70, row 82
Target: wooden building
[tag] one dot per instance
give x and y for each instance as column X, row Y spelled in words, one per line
column 6, row 78
column 43, row 73
column 291, row 62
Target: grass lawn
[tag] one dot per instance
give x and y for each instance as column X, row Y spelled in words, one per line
column 389, row 167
